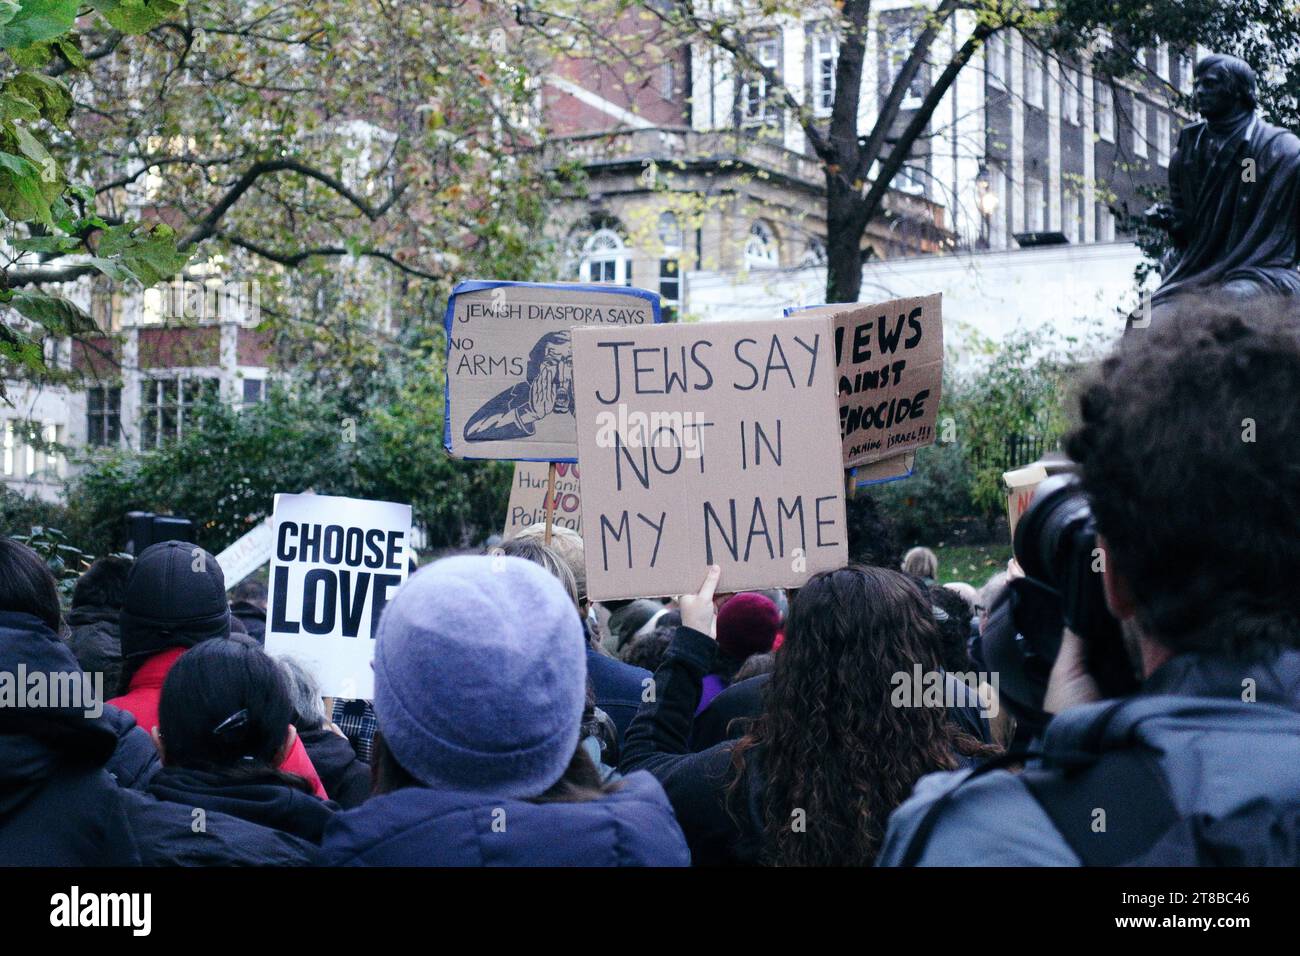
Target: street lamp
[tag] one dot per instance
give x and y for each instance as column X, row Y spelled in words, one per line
column 986, row 200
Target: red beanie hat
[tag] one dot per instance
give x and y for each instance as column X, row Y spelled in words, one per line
column 747, row 624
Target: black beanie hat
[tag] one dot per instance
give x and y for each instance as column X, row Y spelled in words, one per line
column 175, row 597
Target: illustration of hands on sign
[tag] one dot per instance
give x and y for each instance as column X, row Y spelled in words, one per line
column 548, row 390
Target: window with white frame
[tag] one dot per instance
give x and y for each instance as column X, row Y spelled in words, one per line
column 170, row 405
column 1104, row 111
column 1105, row 223
column 605, row 259
column 670, row 288
column 670, row 232
column 1187, row 67
column 900, row 37
column 1139, row 127
column 254, row 391
column 1071, row 216
column 1162, row 61
column 995, row 60
column 825, row 49
column 815, row 254
column 1163, row 144
column 1034, row 205
column 670, row 283
column 757, row 102
column 103, row 415
column 1033, row 77
column 760, row 247
column 1070, row 80
column 44, row 462
column 911, row 179
column 9, row 447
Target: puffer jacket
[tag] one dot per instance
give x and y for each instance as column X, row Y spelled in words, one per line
column 1223, row 756
column 416, row 826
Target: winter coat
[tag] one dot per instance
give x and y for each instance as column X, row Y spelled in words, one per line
column 96, row 641
column 58, row 806
column 619, row 687
column 720, row 828
column 173, row 834
column 145, row 691
column 252, row 617
column 135, row 760
column 416, row 826
column 345, row 777
column 1221, row 756
column 264, row 799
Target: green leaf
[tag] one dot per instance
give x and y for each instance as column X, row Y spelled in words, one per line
column 111, row 268
column 21, row 195
column 35, row 150
column 48, row 94
column 37, row 20
column 60, row 244
column 58, row 315
column 31, row 57
column 70, row 48
column 17, row 347
column 137, row 16
column 147, row 253
column 14, row 106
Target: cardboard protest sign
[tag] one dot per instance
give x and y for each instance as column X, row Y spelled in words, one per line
column 528, row 497
column 334, row 565
column 1021, row 485
column 708, row 444
column 887, row 469
column 890, row 361
column 509, row 391
column 247, row 554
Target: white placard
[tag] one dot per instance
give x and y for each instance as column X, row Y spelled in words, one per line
column 335, row 563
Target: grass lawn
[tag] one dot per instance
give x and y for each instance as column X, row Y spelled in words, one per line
column 972, row 563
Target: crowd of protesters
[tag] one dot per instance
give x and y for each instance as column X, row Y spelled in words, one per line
column 516, row 722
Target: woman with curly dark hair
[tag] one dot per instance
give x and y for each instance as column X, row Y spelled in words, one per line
column 834, row 751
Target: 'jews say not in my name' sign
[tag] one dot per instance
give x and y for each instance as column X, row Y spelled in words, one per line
column 334, row 565
column 510, row 366
column 708, row 444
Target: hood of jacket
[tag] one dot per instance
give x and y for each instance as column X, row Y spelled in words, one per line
column 264, row 800
column 36, row 740
column 416, row 826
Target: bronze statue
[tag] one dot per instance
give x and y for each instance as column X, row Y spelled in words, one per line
column 1234, row 184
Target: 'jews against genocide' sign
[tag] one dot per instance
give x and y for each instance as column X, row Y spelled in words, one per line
column 528, row 497
column 708, row 444
column 890, row 361
column 510, row 365
column 335, row 563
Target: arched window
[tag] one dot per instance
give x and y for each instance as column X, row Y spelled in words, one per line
column 760, row 247
column 815, row 254
column 670, row 232
column 605, row 259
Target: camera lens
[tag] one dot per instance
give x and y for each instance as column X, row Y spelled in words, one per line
column 1046, row 533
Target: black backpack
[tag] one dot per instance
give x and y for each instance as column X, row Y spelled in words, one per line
column 1143, row 825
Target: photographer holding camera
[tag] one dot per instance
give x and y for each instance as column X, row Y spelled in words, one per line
column 1156, row 630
